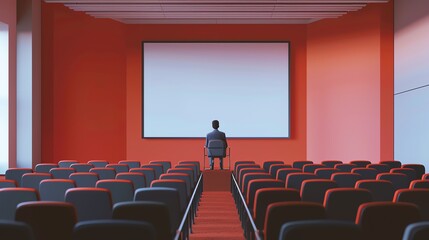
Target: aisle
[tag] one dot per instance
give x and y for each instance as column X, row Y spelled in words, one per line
column 217, row 218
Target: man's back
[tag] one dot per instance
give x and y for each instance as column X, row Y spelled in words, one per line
column 216, row 135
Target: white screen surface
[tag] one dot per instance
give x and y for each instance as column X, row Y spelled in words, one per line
column 243, row 85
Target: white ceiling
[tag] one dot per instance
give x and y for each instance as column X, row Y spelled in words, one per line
column 216, row 11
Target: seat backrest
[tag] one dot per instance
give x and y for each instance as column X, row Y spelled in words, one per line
column 120, row 190
column 284, row 172
column 241, row 162
column 44, row 167
column 248, row 170
column 155, row 213
column 256, row 184
column 118, row 167
column 241, row 166
column 346, row 179
column 197, row 163
column 49, row 220
column 294, row 180
column 266, row 165
column 98, row 163
column 424, row 184
column 16, row 174
column 189, row 171
column 392, row 164
column 138, row 179
column 7, row 183
column 32, row 180
column 399, row 180
column 419, row 197
column 11, row 197
column 320, row 229
column 326, row 173
column 313, row 190
column 158, row 168
column 104, row 173
column 381, row 168
column 331, row 163
column 417, row 231
column 165, row 165
column 361, row 163
column 418, row 168
column 251, row 176
column 84, row 179
column 284, row 212
column 180, row 185
column 15, row 230
column 411, row 173
column 130, row 163
column 149, row 174
column 300, row 164
column 366, row 173
column 266, row 196
column 192, row 166
column 381, row 190
column 371, row 217
column 311, row 168
column 54, row 189
column 343, row 203
column 81, row 167
column 66, row 163
column 180, row 176
column 113, row 229
column 345, row 167
column 275, row 167
column 216, row 148
column 61, row 173
column 90, row 203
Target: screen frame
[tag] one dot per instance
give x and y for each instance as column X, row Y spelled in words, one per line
column 203, row 137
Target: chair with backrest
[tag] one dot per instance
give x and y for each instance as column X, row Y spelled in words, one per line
column 180, row 185
column 197, row 163
column 48, row 220
column 425, row 176
column 326, row 173
column 411, row 173
column 274, row 168
column 243, row 171
column 32, row 180
column 149, row 174
column 15, row 230
column 381, row 168
column 44, row 167
column 118, row 167
column 188, row 171
column 6, row 183
column 346, row 179
column 266, row 165
column 138, row 179
column 366, row 173
column 241, row 166
column 284, row 212
column 104, row 173
column 16, row 174
column 300, row 164
column 113, row 229
column 98, row 163
column 386, row 220
column 169, row 196
column 84, row 179
column 256, row 184
column 343, row 203
column 331, row 163
column 320, row 229
column 131, row 163
column 81, row 167
column 155, row 213
column 11, row 197
column 418, row 168
column 266, row 196
column 66, row 163
column 419, row 197
column 179, row 176
column 90, row 203
column 120, row 190
column 399, row 180
column 61, row 173
column 360, row 163
column 239, row 163
column 294, row 180
column 54, row 189
column 311, row 168
column 216, row 149
column 251, row 176
column 392, row 164
column 417, row 231
column 158, row 168
column 191, row 166
column 424, row 184
column 313, row 190
column 345, row 167
column 165, row 165
column 284, row 172
column 381, row 190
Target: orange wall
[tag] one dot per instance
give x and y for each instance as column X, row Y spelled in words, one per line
column 350, row 86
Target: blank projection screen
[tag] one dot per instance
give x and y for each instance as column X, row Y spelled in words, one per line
column 244, row 85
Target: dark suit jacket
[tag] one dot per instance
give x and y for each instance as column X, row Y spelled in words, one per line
column 216, row 135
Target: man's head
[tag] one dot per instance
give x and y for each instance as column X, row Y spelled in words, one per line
column 215, row 124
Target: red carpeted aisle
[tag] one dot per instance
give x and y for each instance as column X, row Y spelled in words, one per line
column 217, row 217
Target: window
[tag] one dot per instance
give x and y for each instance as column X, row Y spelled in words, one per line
column 4, row 97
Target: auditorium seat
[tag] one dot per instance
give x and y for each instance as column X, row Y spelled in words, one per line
column 399, row 180
column 331, row 163
column 90, row 203
column 326, row 173
column 283, row 173
column 16, row 174
column 179, row 185
column 381, row 168
column 11, row 197
column 419, row 168
column 343, row 203
column 191, row 166
column 44, row 167
column 284, row 212
column 61, row 173
column 113, row 229
column 313, row 190
column 149, row 174
column 256, row 184
column 381, row 190
column 386, row 220
column 240, row 166
column 54, row 189
column 417, row 184
column 243, row 171
column 300, row 164
column 311, row 168
column 32, row 180
column 411, row 173
column 360, row 163
column 266, row 196
column 165, row 165
column 158, row 168
column 118, row 167
column 188, row 171
column 130, row 163
column 13, row 230
column 81, row 167
column 120, row 190
column 138, row 179
column 48, row 220
column 417, row 231
column 155, row 213
column 84, row 179
column 294, row 180
column 180, row 176
column 104, row 173
column 419, row 197
column 275, row 167
column 346, row 179
column 7, row 183
column 66, row 163
column 366, row 173
column 425, row 176
column 320, row 229
column 197, row 163
column 267, row 164
column 251, row 176
column 392, row 164
column 241, row 162
column 345, row 167
column 98, row 163
column 169, row 196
